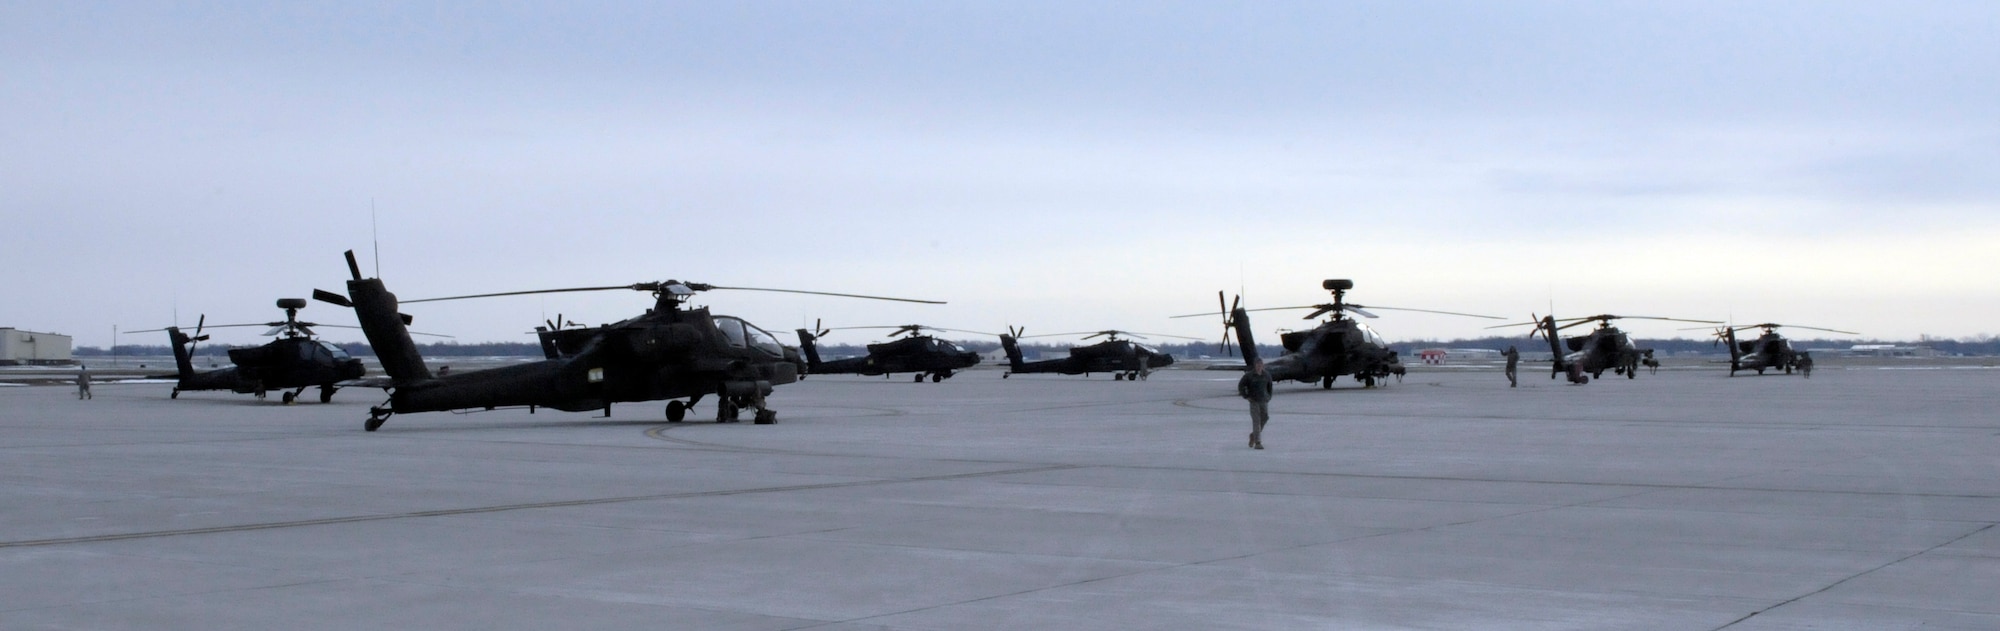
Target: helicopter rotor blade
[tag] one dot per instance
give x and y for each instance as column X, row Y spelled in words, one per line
column 664, row 286
column 821, row 293
column 1144, row 335
column 1358, row 309
column 1769, row 325
column 331, row 298
column 1239, row 301
column 1222, row 304
column 635, row 287
column 1469, row 315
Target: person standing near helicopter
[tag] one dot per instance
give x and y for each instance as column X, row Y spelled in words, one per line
column 1513, row 360
column 1255, row 386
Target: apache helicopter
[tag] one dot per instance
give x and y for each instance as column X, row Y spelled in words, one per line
column 1124, row 359
column 670, row 352
column 1769, row 350
column 925, row 355
column 290, row 363
column 1604, row 348
column 1339, row 346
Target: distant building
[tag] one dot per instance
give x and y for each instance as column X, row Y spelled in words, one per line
column 19, row 347
column 1442, row 355
column 1879, row 350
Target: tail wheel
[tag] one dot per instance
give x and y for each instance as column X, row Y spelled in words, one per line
column 175, row 394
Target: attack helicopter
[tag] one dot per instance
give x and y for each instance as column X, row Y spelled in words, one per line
column 926, row 355
column 671, row 352
column 1339, row 346
column 293, row 362
column 1126, row 360
column 1769, row 351
column 1603, row 348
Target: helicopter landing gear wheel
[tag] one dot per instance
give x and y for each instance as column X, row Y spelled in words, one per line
column 376, row 417
column 1326, row 383
column 326, row 394
column 288, row 398
column 1368, row 382
column 1117, row 376
column 919, row 378
column 676, row 411
column 1760, row 371
column 725, row 411
column 935, row 378
column 765, row 417
column 175, row 394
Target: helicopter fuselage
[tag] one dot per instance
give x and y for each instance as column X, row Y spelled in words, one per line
column 287, row 363
column 1768, row 351
column 668, row 353
column 1606, row 348
column 1337, row 347
column 920, row 354
column 1122, row 358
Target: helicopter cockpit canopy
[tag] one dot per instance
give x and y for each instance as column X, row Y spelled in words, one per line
column 338, row 353
column 743, row 334
column 1369, row 335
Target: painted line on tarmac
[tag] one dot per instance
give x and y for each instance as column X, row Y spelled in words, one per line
column 512, row 507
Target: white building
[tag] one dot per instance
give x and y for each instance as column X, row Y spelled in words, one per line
column 28, row 347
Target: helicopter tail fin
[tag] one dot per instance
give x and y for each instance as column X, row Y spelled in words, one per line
column 1546, row 327
column 811, row 350
column 1239, row 320
column 387, row 330
column 1013, row 348
column 183, row 351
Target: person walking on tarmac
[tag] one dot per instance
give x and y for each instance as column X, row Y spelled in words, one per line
column 1255, row 386
column 82, row 383
column 1513, row 359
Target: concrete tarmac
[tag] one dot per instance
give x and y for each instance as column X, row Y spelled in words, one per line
column 1863, row 498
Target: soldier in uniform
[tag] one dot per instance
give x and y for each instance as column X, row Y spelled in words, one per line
column 1513, row 360
column 1255, row 386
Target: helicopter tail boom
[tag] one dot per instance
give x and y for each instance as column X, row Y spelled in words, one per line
column 811, row 350
column 387, row 331
column 183, row 352
column 1013, row 348
column 1239, row 320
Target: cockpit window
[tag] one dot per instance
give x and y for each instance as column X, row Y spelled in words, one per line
column 337, row 352
column 763, row 341
column 1370, row 335
column 742, row 334
column 732, row 331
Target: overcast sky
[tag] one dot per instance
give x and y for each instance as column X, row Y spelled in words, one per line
column 1059, row 166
